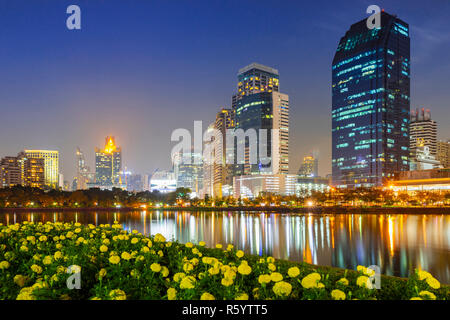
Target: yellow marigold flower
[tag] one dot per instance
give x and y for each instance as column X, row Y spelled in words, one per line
column 239, row 253
column 293, row 272
column 36, row 268
column 171, row 294
column 102, row 273
column 155, row 267
column 213, row 271
column 47, row 260
column 178, row 276
column 320, row 285
column 311, row 280
column 423, row 275
column 276, row 276
column 416, row 298
column 242, row 296
column 343, row 281
column 364, row 282
column 59, row 246
column 134, row 273
column 202, row 243
column 20, row 280
column 230, row 247
column 229, row 274
column 125, row 255
column 57, row 255
column 187, row 267
column 264, row 278
column 282, row 289
column 271, row 267
column 207, row 296
column 261, row 260
column 117, row 294
column 427, row 294
column 337, row 294
column 256, row 293
column 145, row 249
column 168, row 244
column 103, row 248
column 189, row 245
column 218, row 246
column 77, row 230
column 159, row 238
column 433, row 283
column 114, row 259
column 26, row 294
column 244, row 269
column 24, row 248
column 160, row 253
column 165, row 271
column 187, row 282
column 43, row 238
column 4, row 265
column 227, row 282
column 270, row 260
column 134, row 240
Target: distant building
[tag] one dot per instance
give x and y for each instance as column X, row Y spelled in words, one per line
column 424, row 160
column 425, row 180
column 371, row 103
column 223, row 179
column 51, row 160
column 309, row 167
column 259, row 105
column 108, row 165
column 423, row 133
column 84, row 174
column 10, row 172
column 251, row 186
column 22, row 171
column 135, row 183
column 443, row 153
column 34, row 172
column 305, row 186
column 208, row 166
column 188, row 170
column 163, row 181
column 146, row 182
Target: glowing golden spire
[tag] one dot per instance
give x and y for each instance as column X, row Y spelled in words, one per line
column 110, row 145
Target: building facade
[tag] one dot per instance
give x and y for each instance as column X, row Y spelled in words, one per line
column 443, row 153
column 251, row 186
column 51, row 161
column 108, row 165
column 20, row 170
column 84, row 174
column 163, row 181
column 309, row 167
column 371, row 103
column 423, row 135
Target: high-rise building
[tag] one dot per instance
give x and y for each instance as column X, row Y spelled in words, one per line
column 223, row 178
column 188, row 170
column 34, row 172
column 309, row 167
column 10, row 172
column 260, row 105
column 443, row 153
column 51, row 161
column 108, row 165
column 422, row 132
column 163, row 181
column 84, row 174
column 208, row 165
column 371, row 103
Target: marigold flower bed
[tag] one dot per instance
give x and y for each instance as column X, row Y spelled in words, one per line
column 37, row 259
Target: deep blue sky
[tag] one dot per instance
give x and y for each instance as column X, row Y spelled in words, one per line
column 140, row 69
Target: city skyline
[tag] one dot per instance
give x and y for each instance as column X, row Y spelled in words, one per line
column 98, row 110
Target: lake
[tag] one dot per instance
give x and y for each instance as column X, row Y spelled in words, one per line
column 397, row 243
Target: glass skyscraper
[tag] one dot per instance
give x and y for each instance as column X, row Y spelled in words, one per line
column 108, row 165
column 370, row 103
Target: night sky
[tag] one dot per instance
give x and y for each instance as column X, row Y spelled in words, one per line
column 140, row 69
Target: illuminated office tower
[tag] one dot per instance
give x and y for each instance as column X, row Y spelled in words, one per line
column 84, row 174
column 443, row 153
column 370, row 103
column 10, row 172
column 423, row 132
column 223, row 180
column 309, row 167
column 188, row 170
column 259, row 105
column 51, row 163
column 108, row 165
column 34, row 172
column 208, row 165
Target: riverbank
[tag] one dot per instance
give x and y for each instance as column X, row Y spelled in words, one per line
column 115, row 264
column 269, row 209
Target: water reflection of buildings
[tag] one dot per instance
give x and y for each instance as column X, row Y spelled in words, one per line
column 397, row 243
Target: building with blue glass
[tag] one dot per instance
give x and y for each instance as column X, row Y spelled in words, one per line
column 371, row 103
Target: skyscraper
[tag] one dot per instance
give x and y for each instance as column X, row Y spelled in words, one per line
column 259, row 105
column 23, row 171
column 423, row 131
column 309, row 167
column 84, row 174
column 370, row 103
column 108, row 165
column 51, row 161
column 443, row 153
column 222, row 170
column 188, row 170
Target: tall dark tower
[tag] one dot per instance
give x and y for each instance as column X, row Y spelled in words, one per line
column 370, row 103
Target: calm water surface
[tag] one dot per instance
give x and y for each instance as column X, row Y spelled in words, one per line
column 398, row 243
